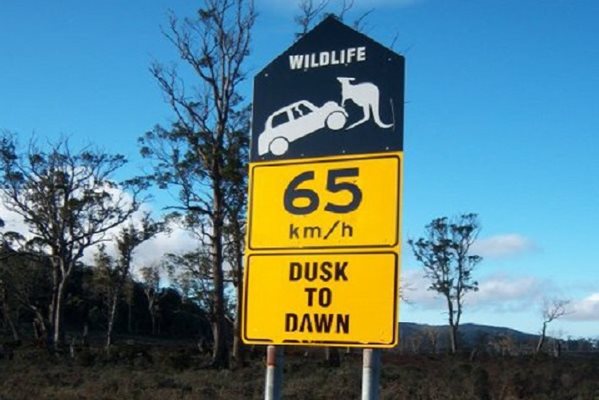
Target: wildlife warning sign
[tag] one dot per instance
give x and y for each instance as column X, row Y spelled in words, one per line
column 334, row 92
column 325, row 188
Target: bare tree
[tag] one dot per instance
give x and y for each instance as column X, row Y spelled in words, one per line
column 432, row 335
column 416, row 341
column 191, row 156
column 234, row 229
column 116, row 271
column 68, row 202
column 150, row 277
column 551, row 310
column 311, row 12
column 444, row 255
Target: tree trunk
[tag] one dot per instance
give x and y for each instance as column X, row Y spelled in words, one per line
column 111, row 317
column 220, row 356
column 8, row 318
column 453, row 333
column 57, row 337
column 453, row 345
column 60, row 272
column 7, row 312
column 541, row 341
column 557, row 349
column 40, row 332
column 85, row 335
column 129, row 317
column 238, row 349
column 53, row 307
column 153, row 319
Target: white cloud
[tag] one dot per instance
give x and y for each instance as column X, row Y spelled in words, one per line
column 586, row 309
column 503, row 293
column 177, row 241
column 13, row 222
column 498, row 293
column 502, row 246
column 414, row 289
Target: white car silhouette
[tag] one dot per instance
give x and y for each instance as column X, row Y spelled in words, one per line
column 296, row 121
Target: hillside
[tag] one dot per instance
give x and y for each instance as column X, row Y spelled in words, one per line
column 471, row 335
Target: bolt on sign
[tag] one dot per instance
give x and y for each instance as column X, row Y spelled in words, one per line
column 325, row 189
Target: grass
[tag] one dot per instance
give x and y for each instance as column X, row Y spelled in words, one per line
column 161, row 373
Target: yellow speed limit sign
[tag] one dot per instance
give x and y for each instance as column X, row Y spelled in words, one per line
column 340, row 202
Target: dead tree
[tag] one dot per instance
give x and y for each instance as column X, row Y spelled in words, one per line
column 552, row 309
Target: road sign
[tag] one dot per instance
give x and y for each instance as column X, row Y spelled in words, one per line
column 310, row 298
column 341, row 202
column 334, row 92
column 326, row 161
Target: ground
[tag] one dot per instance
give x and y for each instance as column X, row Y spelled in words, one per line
column 180, row 372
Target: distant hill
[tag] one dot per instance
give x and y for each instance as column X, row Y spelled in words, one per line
column 471, row 335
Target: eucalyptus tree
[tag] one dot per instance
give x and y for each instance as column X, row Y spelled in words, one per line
column 24, row 286
column 236, row 186
column 191, row 274
column 444, row 253
column 150, row 279
column 191, row 156
column 6, row 300
column 115, row 272
column 68, row 201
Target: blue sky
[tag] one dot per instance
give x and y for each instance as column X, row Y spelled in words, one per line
column 502, row 116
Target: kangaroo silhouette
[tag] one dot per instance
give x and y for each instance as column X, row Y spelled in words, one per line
column 365, row 95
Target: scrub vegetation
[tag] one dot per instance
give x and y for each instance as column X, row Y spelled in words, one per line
column 176, row 370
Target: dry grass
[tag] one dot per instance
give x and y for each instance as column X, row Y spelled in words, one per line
column 176, row 373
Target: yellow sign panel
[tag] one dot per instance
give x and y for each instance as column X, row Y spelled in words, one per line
column 342, row 299
column 350, row 202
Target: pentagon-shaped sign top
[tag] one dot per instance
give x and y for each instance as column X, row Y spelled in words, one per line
column 333, row 92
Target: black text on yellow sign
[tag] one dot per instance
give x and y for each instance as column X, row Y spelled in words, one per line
column 336, row 202
column 321, row 299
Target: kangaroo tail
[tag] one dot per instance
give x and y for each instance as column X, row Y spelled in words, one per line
column 377, row 117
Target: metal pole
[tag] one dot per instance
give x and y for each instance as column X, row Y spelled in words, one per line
column 274, row 373
column 371, row 373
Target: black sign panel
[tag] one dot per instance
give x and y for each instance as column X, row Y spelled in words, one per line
column 334, row 92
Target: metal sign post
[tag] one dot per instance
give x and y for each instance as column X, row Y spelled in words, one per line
column 274, row 373
column 371, row 373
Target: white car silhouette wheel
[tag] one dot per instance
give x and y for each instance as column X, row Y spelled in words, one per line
column 279, row 146
column 336, row 120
